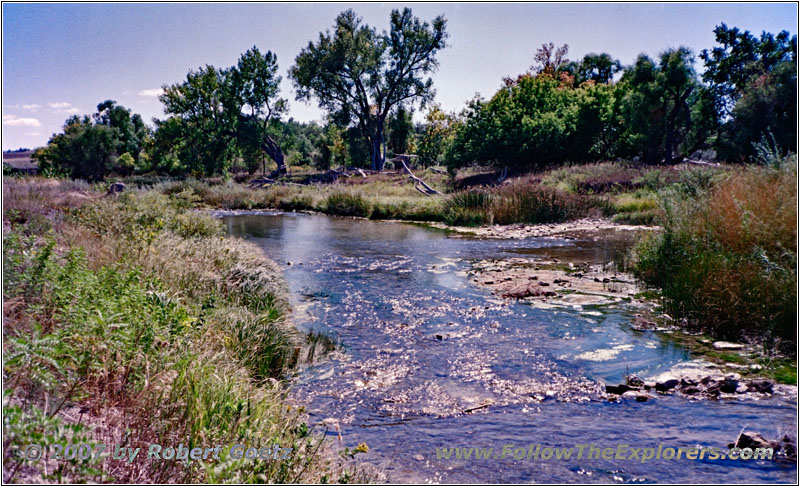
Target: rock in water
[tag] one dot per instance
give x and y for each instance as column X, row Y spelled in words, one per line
column 762, row 386
column 620, row 389
column 729, row 385
column 667, row 384
column 523, row 291
column 751, row 439
column 638, row 396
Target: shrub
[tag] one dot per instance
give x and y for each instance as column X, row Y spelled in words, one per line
column 347, row 204
column 160, row 328
column 469, row 208
column 727, row 257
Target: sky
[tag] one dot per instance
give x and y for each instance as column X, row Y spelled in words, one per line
column 63, row 59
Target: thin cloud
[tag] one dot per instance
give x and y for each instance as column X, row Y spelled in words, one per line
column 152, row 93
column 32, row 134
column 32, row 107
column 63, row 107
column 15, row 121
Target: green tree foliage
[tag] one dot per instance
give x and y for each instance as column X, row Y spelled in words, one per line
column 90, row 147
column 536, row 121
column 755, row 80
column 665, row 106
column 436, row 136
column 358, row 75
column 219, row 114
column 401, row 131
column 598, row 68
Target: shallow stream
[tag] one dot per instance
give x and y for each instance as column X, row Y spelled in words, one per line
column 429, row 360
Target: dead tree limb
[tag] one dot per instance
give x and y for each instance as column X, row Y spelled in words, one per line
column 428, row 190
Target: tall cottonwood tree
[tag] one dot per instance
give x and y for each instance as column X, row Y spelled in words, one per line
column 359, row 75
column 229, row 110
column 666, row 107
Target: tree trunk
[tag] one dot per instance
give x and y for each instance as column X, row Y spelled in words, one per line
column 274, row 151
column 669, row 141
column 378, row 157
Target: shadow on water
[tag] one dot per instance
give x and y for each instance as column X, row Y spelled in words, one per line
column 427, row 360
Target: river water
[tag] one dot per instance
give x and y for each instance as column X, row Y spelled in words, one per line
column 428, row 360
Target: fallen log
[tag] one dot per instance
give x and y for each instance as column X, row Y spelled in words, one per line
column 428, row 190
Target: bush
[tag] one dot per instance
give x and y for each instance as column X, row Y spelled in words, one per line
column 347, row 204
column 468, row 208
column 727, row 257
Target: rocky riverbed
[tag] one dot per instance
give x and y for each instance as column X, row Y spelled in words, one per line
column 429, row 358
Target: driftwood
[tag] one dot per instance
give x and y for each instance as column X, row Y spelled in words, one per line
column 418, row 182
column 438, row 171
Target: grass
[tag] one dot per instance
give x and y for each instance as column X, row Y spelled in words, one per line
column 132, row 320
column 519, row 203
column 624, row 192
column 726, row 259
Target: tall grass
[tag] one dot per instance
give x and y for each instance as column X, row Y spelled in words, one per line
column 131, row 320
column 348, row 204
column 726, row 259
column 519, row 203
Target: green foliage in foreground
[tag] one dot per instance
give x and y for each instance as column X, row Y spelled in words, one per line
column 150, row 316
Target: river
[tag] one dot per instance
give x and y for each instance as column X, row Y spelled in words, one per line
column 429, row 360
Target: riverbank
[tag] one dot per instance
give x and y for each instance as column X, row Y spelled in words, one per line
column 128, row 321
column 738, row 249
column 623, row 192
column 564, row 279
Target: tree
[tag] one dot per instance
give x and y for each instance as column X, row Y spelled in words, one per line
column 436, row 135
column 131, row 130
column 599, row 68
column 401, row 130
column 549, row 59
column 359, row 75
column 91, row 147
column 755, row 82
column 229, row 111
column 84, row 150
column 660, row 105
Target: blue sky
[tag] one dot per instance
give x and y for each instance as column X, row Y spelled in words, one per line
column 60, row 59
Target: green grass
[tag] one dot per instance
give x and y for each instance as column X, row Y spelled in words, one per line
column 137, row 307
column 348, row 204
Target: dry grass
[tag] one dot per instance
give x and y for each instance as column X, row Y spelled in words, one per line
column 129, row 320
column 727, row 258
